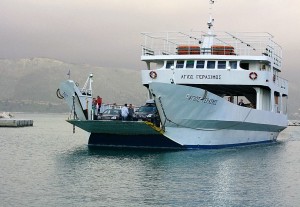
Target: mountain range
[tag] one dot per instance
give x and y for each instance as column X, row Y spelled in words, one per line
column 29, row 85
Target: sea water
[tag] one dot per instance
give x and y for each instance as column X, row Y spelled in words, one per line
column 48, row 165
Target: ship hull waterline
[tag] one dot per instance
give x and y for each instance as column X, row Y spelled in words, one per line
column 118, row 134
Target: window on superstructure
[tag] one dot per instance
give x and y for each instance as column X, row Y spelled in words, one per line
column 221, row 64
column 180, row 64
column 244, row 66
column 189, row 64
column 200, row 64
column 233, row 64
column 169, row 64
column 211, row 64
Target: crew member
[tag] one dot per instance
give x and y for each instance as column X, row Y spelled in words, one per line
column 241, row 103
column 99, row 103
column 124, row 112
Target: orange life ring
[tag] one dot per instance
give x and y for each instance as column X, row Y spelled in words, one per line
column 253, row 75
column 153, row 74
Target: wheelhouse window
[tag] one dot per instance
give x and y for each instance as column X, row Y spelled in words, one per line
column 200, row 64
column 189, row 64
column 180, row 64
column 169, row 64
column 221, row 64
column 211, row 64
column 244, row 66
column 233, row 64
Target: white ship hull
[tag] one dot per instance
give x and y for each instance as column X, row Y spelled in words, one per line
column 195, row 118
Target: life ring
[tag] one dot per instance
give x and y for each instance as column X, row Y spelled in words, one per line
column 153, row 74
column 253, row 75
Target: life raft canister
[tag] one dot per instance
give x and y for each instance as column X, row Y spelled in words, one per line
column 153, row 74
column 253, row 75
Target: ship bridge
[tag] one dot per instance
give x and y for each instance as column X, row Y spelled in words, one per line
column 166, row 45
column 225, row 63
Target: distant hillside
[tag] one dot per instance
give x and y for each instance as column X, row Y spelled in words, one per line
column 31, row 84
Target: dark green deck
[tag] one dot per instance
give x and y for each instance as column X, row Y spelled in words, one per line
column 116, row 127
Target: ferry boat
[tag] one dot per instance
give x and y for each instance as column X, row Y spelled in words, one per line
column 197, row 80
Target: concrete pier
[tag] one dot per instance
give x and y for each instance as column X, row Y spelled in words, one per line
column 15, row 122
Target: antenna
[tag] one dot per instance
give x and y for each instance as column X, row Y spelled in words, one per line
column 208, row 40
column 211, row 20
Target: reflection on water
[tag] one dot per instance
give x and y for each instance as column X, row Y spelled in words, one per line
column 47, row 165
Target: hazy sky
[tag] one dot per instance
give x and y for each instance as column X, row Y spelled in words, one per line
column 107, row 32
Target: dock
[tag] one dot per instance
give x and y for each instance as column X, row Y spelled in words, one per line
column 294, row 123
column 15, row 122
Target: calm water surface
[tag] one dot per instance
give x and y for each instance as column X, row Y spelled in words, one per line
column 48, row 165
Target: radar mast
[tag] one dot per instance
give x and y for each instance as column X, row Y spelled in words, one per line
column 209, row 36
column 211, row 20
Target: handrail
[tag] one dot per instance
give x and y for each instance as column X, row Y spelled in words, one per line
column 246, row 43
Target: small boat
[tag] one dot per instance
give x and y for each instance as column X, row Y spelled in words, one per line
column 6, row 115
column 211, row 89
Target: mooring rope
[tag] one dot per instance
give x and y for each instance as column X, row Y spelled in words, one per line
column 158, row 129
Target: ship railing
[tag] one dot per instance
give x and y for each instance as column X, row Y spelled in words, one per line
column 150, row 52
column 276, row 108
column 244, row 43
column 281, row 82
column 147, row 51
